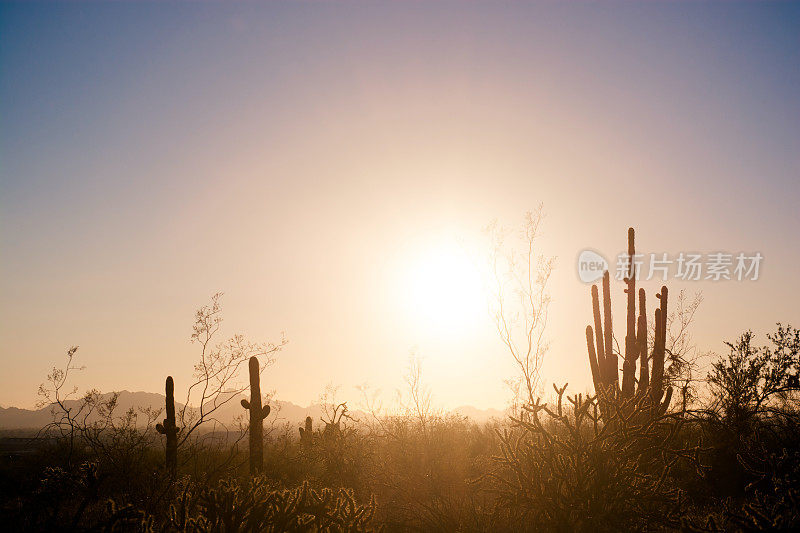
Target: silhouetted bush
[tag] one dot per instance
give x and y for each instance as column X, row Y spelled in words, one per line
column 566, row 468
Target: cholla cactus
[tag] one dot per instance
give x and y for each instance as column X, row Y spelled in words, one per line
column 254, row 505
column 257, row 416
column 307, row 434
column 170, row 429
column 609, row 471
column 603, row 361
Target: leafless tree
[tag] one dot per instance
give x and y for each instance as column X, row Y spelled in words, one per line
column 519, row 308
column 370, row 403
column 419, row 403
column 215, row 379
column 54, row 394
column 93, row 420
column 334, row 412
column 681, row 352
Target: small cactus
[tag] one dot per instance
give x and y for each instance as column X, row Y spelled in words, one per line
column 170, row 429
column 257, row 416
column 307, row 434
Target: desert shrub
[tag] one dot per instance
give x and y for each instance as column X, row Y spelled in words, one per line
column 752, row 405
column 752, row 381
column 252, row 505
column 771, row 503
column 62, row 488
column 566, row 469
column 422, row 470
column 341, row 455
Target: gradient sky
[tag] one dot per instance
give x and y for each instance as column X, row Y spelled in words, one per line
column 299, row 157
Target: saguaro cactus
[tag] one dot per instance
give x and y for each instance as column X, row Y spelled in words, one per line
column 602, row 359
column 307, row 434
column 170, row 429
column 257, row 416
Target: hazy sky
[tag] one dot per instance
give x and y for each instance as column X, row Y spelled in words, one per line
column 306, row 158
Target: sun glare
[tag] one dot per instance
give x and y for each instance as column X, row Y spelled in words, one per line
column 444, row 292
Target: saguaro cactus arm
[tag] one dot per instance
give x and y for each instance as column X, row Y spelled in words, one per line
column 262, row 413
column 631, row 345
column 598, row 331
column 659, row 349
column 641, row 339
column 608, row 331
column 593, row 363
column 603, row 352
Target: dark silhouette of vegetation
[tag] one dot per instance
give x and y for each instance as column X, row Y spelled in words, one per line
column 215, row 374
column 620, row 458
column 755, row 381
column 569, row 468
column 169, row 429
column 307, row 434
column 251, row 505
column 257, row 416
column 604, row 361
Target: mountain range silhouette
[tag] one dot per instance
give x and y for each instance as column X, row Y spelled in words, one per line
column 282, row 411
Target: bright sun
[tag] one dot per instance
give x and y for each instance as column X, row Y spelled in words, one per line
column 444, row 291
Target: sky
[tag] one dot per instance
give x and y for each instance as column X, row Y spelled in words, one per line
column 315, row 161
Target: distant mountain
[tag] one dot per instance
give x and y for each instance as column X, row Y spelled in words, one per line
column 283, row 411
column 15, row 418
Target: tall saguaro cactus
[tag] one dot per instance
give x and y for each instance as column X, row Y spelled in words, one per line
column 602, row 358
column 170, row 429
column 257, row 416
